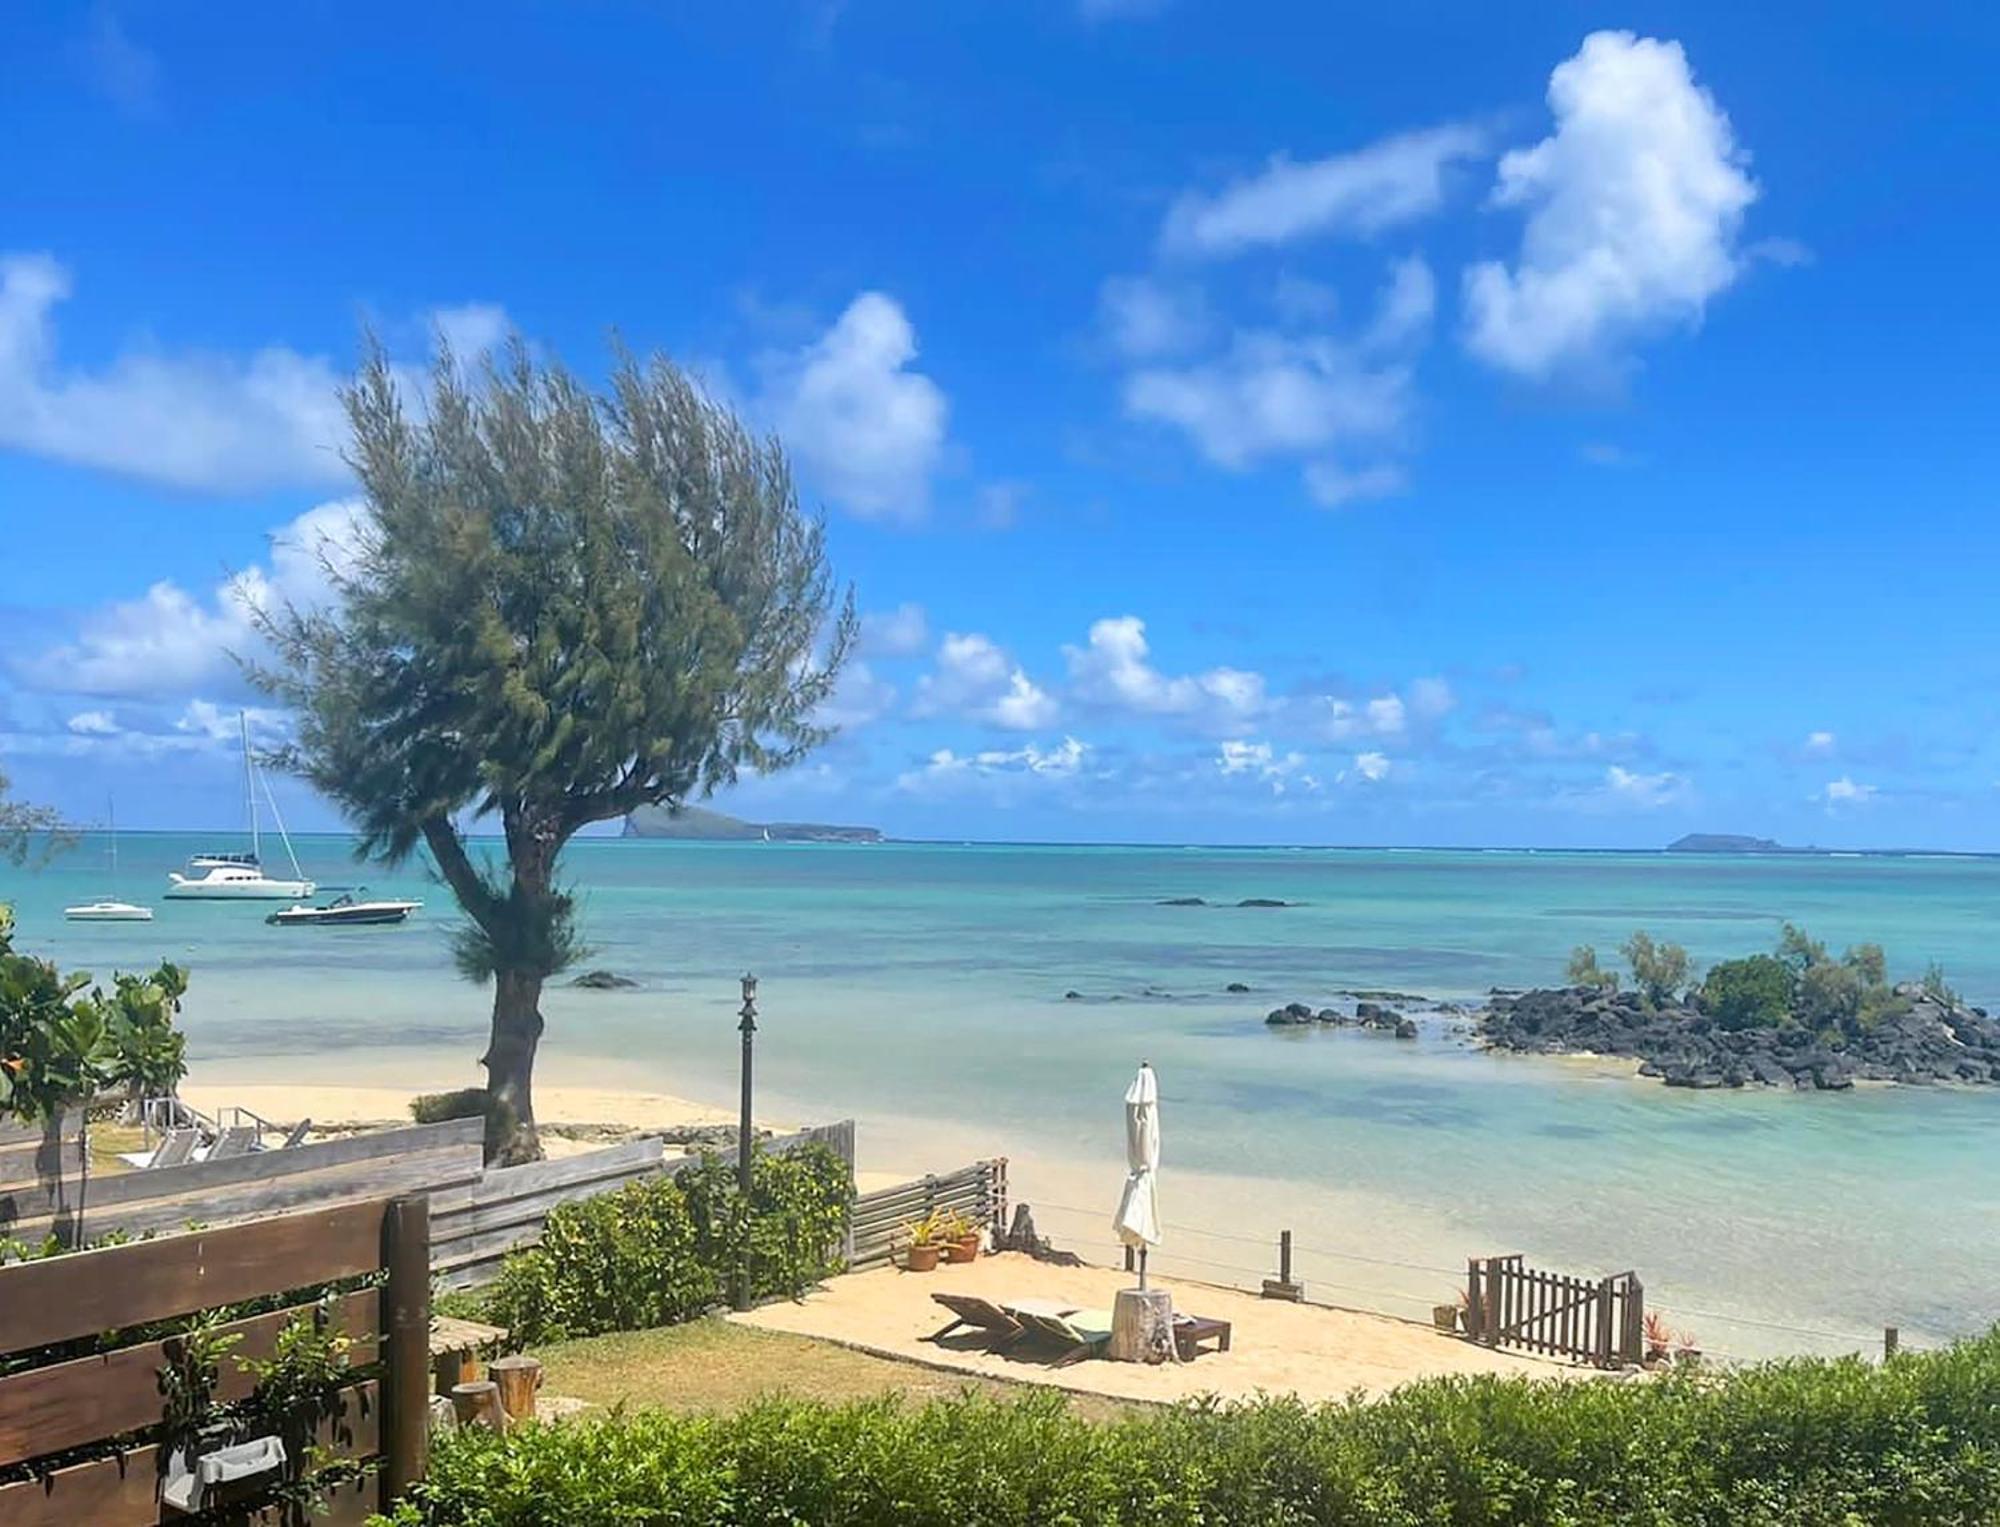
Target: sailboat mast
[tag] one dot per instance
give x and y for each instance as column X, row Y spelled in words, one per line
column 249, row 784
column 111, row 822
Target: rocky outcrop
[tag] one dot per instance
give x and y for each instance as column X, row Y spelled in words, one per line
column 1366, row 1015
column 1928, row 1041
column 604, row 980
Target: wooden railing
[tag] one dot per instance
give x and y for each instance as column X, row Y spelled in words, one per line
column 1593, row 1320
column 875, row 1230
column 95, row 1402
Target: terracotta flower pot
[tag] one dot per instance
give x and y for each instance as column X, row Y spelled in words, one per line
column 963, row 1250
column 920, row 1258
column 1445, row 1317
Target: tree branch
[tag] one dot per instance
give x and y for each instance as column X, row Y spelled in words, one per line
column 459, row 872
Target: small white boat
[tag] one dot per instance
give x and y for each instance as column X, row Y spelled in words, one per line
column 344, row 912
column 240, row 876
column 108, row 909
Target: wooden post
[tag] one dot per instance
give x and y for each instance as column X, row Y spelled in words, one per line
column 1284, row 1256
column 1600, row 1352
column 1891, row 1338
column 1282, row 1287
column 478, row 1404
column 1130, row 1264
column 406, row 1320
column 744, row 1141
column 518, row 1378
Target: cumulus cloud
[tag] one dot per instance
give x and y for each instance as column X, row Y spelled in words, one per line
column 1647, row 792
column 1819, row 744
column 1394, row 181
column 1372, row 767
column 868, row 428
column 902, row 632
column 977, row 679
column 1316, row 396
column 1113, row 669
column 860, row 696
column 1383, row 716
column 1260, row 761
column 169, row 640
column 187, row 420
column 1634, row 206
column 1431, row 699
column 1847, row 792
column 1145, row 317
column 946, row 768
column 93, row 723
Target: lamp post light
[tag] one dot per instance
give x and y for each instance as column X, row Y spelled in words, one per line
column 748, row 1029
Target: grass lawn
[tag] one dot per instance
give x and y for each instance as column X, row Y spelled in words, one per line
column 713, row 1365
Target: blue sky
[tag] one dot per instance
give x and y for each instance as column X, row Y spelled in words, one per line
column 1555, row 425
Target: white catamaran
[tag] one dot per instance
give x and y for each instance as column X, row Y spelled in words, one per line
column 238, row 876
column 109, row 909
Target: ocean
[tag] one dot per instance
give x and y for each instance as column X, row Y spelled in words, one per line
column 921, row 988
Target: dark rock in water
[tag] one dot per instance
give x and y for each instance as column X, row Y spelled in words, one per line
column 1181, row 901
column 1262, row 901
column 1291, row 1013
column 1072, row 996
column 1236, row 988
column 604, row 980
column 1406, row 1028
column 1367, row 1012
column 1331, row 1015
column 1413, row 999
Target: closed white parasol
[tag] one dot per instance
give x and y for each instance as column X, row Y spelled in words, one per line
column 1138, row 1219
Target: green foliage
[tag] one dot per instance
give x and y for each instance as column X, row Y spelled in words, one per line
column 1583, row 970
column 438, row 1107
column 1804, row 1443
column 1749, row 994
column 663, row 1249
column 1936, row 988
column 1799, row 951
column 561, row 606
column 1661, row 971
column 23, row 824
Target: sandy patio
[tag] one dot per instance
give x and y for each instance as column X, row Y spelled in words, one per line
column 1317, row 1353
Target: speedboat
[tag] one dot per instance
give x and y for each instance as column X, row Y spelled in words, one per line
column 108, row 911
column 344, row 912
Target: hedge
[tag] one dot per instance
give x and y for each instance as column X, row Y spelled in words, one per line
column 663, row 1249
column 1802, row 1442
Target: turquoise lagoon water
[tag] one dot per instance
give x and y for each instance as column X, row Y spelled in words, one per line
column 920, row 988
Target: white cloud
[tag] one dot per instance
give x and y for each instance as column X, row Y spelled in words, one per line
column 1113, row 670
column 1819, row 744
column 1373, row 767
column 1259, row 760
column 860, row 696
column 1145, row 318
column 870, row 430
column 1847, row 792
column 1393, row 181
column 168, row 640
column 93, row 723
column 188, row 420
column 1431, row 699
column 127, row 74
column 946, row 768
column 901, row 632
column 977, row 679
column 1633, row 205
column 1319, row 397
column 471, row 330
column 1648, row 792
column 1383, row 716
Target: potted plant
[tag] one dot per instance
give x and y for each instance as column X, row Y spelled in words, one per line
column 1659, row 1338
column 920, row 1251
column 959, row 1235
column 1445, row 1316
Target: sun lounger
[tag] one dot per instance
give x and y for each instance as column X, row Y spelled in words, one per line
column 237, row 1140
column 1082, row 1333
column 974, row 1313
column 176, row 1148
column 298, row 1135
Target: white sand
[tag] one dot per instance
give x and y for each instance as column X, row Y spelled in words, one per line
column 1276, row 1347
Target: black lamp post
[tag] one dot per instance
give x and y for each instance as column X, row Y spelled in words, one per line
column 748, row 1029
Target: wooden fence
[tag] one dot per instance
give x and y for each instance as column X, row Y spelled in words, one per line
column 1594, row 1320
column 875, row 1230
column 93, row 1402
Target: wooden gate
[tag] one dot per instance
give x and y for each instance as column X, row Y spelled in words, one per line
column 1592, row 1320
column 81, row 1414
column 875, row 1225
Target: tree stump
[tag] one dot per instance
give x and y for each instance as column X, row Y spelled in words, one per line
column 478, row 1404
column 1142, row 1326
column 518, row 1378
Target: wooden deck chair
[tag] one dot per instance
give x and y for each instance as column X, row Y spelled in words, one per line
column 1083, row 1333
column 298, row 1135
column 236, row 1140
column 974, row 1313
column 176, row 1147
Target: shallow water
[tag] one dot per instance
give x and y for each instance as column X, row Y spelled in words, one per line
column 920, row 988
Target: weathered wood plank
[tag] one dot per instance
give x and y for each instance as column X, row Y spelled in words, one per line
column 632, row 1158
column 64, row 1405
column 85, row 1292
column 123, row 1491
column 360, row 1179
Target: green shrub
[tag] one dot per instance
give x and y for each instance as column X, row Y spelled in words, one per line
column 1806, row 1443
column 664, row 1248
column 1749, row 994
column 1583, row 970
column 437, row 1107
column 1658, row 970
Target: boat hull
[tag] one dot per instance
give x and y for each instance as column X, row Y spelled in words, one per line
column 258, row 889
column 343, row 917
column 108, row 912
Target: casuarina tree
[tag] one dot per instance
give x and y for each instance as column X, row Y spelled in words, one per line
column 559, row 605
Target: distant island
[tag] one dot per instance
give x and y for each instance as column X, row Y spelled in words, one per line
column 1730, row 843
column 693, row 822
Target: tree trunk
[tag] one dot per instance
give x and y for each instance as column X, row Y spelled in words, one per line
column 510, row 1068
